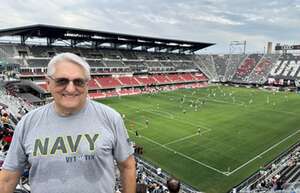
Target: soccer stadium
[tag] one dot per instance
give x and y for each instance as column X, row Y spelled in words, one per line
column 219, row 123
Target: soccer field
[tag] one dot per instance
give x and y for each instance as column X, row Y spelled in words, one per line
column 211, row 138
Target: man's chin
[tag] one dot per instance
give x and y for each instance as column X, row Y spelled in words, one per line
column 68, row 110
column 71, row 105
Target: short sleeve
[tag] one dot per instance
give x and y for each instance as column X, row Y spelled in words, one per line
column 16, row 157
column 123, row 148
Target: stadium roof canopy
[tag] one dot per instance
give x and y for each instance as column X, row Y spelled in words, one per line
column 97, row 38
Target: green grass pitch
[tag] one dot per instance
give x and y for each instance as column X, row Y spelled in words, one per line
column 211, row 138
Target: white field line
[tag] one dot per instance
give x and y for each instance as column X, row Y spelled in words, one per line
column 208, row 130
column 181, row 154
column 187, row 137
column 185, row 156
column 259, row 155
column 181, row 139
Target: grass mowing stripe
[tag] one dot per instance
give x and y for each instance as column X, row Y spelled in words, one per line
column 259, row 155
column 167, row 116
column 181, row 139
column 237, row 130
column 183, row 155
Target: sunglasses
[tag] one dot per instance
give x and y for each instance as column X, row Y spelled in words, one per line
column 63, row 82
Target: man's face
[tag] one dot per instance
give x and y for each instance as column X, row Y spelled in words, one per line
column 69, row 96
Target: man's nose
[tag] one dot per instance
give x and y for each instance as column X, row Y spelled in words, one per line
column 70, row 87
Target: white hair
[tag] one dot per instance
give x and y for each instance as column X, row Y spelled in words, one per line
column 67, row 56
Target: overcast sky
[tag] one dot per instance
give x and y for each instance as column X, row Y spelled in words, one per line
column 213, row 21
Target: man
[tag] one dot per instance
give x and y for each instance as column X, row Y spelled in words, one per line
column 71, row 143
column 199, row 131
column 173, row 185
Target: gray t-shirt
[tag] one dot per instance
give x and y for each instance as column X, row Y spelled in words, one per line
column 73, row 154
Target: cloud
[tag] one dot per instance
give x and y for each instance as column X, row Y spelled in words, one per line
column 215, row 19
column 160, row 19
column 218, row 21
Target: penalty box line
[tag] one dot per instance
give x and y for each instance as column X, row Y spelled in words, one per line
column 187, row 137
column 180, row 139
column 185, row 156
column 259, row 155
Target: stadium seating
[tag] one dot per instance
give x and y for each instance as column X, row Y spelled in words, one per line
column 233, row 63
column 200, row 76
column 135, row 65
column 129, row 91
column 146, row 80
column 43, row 86
column 96, row 95
column 22, row 50
column 175, row 78
column 287, row 67
column 91, row 53
column 8, row 50
column 167, row 64
column 128, row 81
column 113, row 63
column 184, row 65
column 260, row 73
column 38, row 62
column 92, row 84
column 246, row 67
column 41, row 51
column 187, row 77
column 238, row 68
column 221, row 62
column 206, row 65
column 282, row 175
column 111, row 54
column 96, row 63
column 161, row 79
column 28, row 72
column 108, row 82
column 117, row 73
column 152, row 63
column 129, row 55
column 60, row 49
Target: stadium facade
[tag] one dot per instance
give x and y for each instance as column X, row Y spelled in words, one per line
column 123, row 64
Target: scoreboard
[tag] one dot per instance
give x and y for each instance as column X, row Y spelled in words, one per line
column 287, row 47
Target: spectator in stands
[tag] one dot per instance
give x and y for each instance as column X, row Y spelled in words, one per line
column 157, row 188
column 7, row 139
column 72, row 142
column 1, row 133
column 5, row 120
column 141, row 188
column 173, row 185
